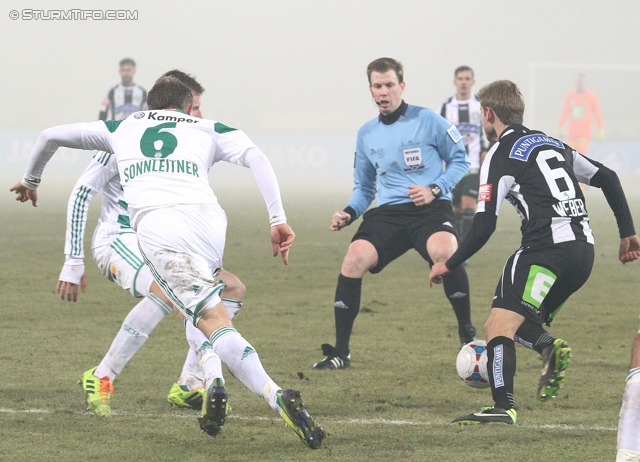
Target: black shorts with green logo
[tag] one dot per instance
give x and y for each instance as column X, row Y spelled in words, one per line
column 536, row 282
column 394, row 229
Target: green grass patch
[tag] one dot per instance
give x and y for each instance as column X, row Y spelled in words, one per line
column 394, row 403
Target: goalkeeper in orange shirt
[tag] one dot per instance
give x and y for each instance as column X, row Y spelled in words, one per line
column 581, row 106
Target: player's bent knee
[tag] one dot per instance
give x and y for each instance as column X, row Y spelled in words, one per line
column 155, row 289
column 361, row 257
column 143, row 284
column 441, row 245
column 235, row 289
column 502, row 322
column 232, row 306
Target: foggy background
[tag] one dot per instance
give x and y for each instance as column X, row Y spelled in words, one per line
column 291, row 74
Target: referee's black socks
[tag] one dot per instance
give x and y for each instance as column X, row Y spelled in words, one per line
column 346, row 308
column 456, row 288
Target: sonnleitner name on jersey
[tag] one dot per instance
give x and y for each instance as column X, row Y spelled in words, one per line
column 160, row 165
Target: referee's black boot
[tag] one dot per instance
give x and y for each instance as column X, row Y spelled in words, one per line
column 333, row 360
column 467, row 335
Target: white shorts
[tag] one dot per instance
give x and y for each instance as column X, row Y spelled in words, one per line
column 122, row 263
column 628, row 455
column 183, row 245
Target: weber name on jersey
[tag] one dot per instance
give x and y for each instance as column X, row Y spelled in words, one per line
column 539, row 176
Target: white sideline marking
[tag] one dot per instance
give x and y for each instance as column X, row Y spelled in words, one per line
column 348, row 421
column 25, row 411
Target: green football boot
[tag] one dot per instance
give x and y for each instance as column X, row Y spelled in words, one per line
column 181, row 396
column 98, row 392
column 298, row 419
column 555, row 360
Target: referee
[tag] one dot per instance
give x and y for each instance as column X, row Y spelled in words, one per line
column 400, row 155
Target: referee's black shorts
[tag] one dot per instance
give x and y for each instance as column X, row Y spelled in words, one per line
column 536, row 282
column 394, row 229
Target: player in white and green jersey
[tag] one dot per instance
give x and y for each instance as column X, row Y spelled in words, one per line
column 115, row 251
column 163, row 156
column 629, row 424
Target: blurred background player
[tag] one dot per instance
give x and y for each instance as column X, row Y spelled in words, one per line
column 463, row 110
column 629, row 425
column 580, row 108
column 414, row 202
column 539, row 176
column 125, row 98
column 115, row 251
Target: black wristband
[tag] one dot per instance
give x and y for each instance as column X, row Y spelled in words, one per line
column 351, row 212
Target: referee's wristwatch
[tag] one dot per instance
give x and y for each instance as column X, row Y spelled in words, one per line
column 436, row 191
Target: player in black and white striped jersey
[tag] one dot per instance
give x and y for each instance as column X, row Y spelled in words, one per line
column 125, row 98
column 463, row 110
column 539, row 176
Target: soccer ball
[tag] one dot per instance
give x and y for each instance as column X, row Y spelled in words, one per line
column 472, row 364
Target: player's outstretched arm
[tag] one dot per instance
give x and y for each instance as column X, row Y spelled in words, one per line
column 24, row 194
column 629, row 249
column 281, row 233
column 46, row 146
column 282, row 237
